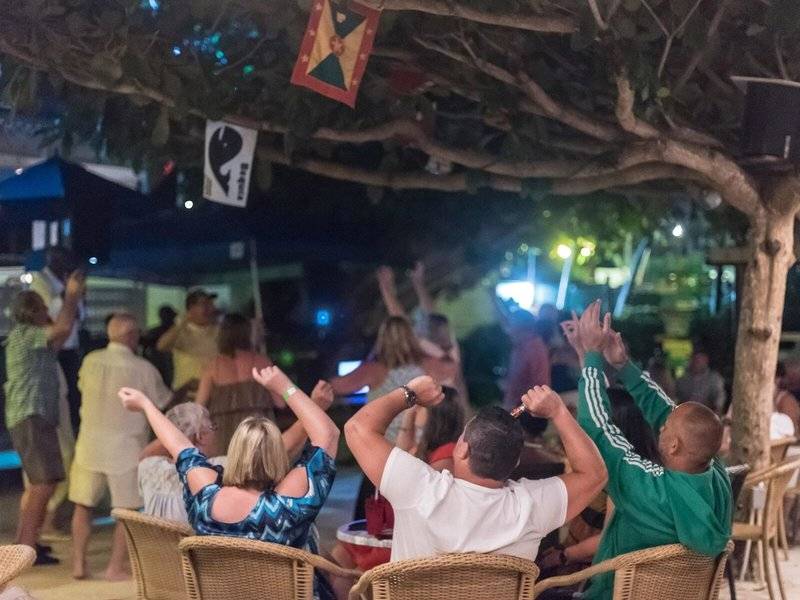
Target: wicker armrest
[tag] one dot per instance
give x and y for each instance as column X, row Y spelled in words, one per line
column 612, row 564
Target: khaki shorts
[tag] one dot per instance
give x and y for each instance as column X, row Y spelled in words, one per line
column 88, row 488
column 36, row 442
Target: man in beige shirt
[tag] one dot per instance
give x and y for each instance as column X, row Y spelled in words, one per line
column 192, row 339
column 111, row 438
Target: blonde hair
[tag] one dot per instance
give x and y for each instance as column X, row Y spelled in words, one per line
column 397, row 345
column 189, row 418
column 257, row 458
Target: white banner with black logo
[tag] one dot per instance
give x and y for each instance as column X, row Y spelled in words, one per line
column 229, row 162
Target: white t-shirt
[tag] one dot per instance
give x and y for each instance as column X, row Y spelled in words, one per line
column 435, row 513
column 780, row 426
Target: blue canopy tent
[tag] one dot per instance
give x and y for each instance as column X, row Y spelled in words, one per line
column 85, row 204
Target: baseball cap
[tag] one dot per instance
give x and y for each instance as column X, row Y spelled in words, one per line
column 195, row 295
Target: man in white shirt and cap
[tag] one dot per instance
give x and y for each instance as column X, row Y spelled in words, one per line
column 110, row 439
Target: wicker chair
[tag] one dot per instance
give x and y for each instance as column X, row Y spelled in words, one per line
column 448, row 576
column 225, row 568
column 666, row 572
column 13, row 561
column 766, row 532
column 155, row 558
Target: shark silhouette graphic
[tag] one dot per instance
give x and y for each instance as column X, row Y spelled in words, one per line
column 224, row 145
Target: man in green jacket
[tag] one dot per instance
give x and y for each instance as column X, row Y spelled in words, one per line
column 686, row 498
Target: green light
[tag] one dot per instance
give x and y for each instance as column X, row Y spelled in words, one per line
column 219, row 54
column 286, row 358
column 215, row 38
column 248, row 69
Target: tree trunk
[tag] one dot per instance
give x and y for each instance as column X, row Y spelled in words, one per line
column 771, row 242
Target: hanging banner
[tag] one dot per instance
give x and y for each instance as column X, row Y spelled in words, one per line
column 335, row 49
column 228, row 163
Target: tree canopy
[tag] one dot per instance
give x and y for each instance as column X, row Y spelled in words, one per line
column 529, row 96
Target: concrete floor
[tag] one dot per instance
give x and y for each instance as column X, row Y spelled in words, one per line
column 55, row 582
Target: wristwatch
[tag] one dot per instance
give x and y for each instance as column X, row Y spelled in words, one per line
column 411, row 396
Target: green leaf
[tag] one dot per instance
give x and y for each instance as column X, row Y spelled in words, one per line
column 172, row 84
column 107, row 66
column 160, row 133
column 626, row 27
column 784, row 16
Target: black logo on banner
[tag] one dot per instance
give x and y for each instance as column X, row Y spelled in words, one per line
column 224, row 145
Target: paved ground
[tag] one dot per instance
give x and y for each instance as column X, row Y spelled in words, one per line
column 55, row 582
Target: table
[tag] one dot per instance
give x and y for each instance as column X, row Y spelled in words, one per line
column 366, row 550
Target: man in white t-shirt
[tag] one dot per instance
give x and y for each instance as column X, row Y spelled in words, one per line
column 475, row 508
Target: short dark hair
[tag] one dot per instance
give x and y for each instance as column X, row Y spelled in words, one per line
column 495, row 443
column 445, row 423
column 234, row 334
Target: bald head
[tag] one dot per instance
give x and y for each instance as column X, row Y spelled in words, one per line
column 692, row 436
column 123, row 329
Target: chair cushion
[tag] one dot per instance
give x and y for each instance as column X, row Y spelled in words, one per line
column 746, row 531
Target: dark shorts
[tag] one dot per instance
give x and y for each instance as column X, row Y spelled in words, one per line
column 36, row 442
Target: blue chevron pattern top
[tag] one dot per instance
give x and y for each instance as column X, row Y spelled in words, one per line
column 274, row 518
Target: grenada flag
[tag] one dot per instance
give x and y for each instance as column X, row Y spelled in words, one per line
column 335, row 49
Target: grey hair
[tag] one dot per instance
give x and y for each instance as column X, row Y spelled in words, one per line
column 189, row 418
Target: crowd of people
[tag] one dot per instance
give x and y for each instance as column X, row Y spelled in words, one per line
column 622, row 466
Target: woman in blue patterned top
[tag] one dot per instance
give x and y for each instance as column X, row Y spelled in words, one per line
column 258, row 495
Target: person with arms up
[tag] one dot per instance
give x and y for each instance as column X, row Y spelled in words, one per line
column 227, row 386
column 494, row 515
column 258, row 495
column 432, row 329
column 192, row 339
column 683, row 497
column 32, row 410
column 50, row 283
column 110, row 440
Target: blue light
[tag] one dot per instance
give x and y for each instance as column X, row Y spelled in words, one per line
column 176, row 50
column 219, row 54
column 322, row 317
column 93, row 260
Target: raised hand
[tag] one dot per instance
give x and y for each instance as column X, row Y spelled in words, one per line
column 385, row 276
column 429, row 393
column 133, row 400
column 417, row 274
column 593, row 334
column 615, row 352
column 543, row 402
column 273, row 379
column 322, row 394
column 571, row 332
column 76, row 284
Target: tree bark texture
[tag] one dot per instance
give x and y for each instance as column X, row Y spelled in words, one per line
column 771, row 244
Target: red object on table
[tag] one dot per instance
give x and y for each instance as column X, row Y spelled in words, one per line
column 380, row 516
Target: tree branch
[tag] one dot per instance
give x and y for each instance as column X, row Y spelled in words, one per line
column 459, row 182
column 596, row 14
column 549, row 107
column 624, row 111
column 728, row 178
column 448, row 8
column 716, row 20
